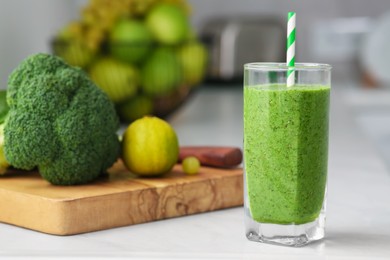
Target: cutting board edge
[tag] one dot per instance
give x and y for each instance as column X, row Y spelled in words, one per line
column 65, row 214
column 232, row 182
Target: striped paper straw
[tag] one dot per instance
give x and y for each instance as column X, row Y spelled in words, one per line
column 290, row 48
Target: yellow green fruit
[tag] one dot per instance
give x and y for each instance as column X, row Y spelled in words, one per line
column 141, row 7
column 70, row 44
column 150, row 147
column 130, row 40
column 135, row 108
column 193, row 59
column 168, row 23
column 161, row 74
column 74, row 52
column 118, row 79
column 191, row 165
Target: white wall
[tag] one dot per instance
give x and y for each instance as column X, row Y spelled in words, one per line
column 26, row 27
column 308, row 13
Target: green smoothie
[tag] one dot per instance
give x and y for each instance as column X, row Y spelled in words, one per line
column 286, row 151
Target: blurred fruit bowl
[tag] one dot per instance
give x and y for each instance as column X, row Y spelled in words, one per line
column 143, row 54
column 157, row 85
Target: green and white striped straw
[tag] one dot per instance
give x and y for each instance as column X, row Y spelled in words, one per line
column 290, row 48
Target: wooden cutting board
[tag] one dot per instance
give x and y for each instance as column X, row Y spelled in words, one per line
column 119, row 199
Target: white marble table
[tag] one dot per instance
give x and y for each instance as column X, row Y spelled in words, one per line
column 358, row 222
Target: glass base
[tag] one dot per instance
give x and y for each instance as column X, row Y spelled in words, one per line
column 286, row 235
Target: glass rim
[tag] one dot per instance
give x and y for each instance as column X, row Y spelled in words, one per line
column 282, row 66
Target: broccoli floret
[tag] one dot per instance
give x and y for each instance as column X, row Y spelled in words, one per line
column 3, row 105
column 59, row 121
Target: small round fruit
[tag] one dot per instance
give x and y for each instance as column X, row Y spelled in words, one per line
column 150, row 147
column 118, row 79
column 191, row 165
column 135, row 108
column 130, row 41
column 168, row 23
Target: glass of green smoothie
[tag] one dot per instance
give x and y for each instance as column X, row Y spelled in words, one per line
column 285, row 152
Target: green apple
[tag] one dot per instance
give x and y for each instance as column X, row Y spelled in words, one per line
column 118, row 79
column 161, row 73
column 130, row 40
column 168, row 23
column 193, row 58
column 135, row 108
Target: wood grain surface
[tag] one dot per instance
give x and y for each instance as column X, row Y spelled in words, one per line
column 118, row 199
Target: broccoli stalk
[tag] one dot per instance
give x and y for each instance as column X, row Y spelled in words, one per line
column 59, row 121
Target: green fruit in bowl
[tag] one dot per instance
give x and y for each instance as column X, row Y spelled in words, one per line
column 161, row 73
column 135, row 108
column 193, row 58
column 74, row 52
column 130, row 40
column 118, row 79
column 168, row 23
column 70, row 45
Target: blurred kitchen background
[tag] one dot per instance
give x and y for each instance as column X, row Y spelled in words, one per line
column 351, row 35
column 327, row 31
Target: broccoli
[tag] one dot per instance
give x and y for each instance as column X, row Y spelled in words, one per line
column 59, row 122
column 3, row 105
column 3, row 162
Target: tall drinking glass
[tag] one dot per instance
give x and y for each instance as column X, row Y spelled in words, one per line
column 285, row 152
